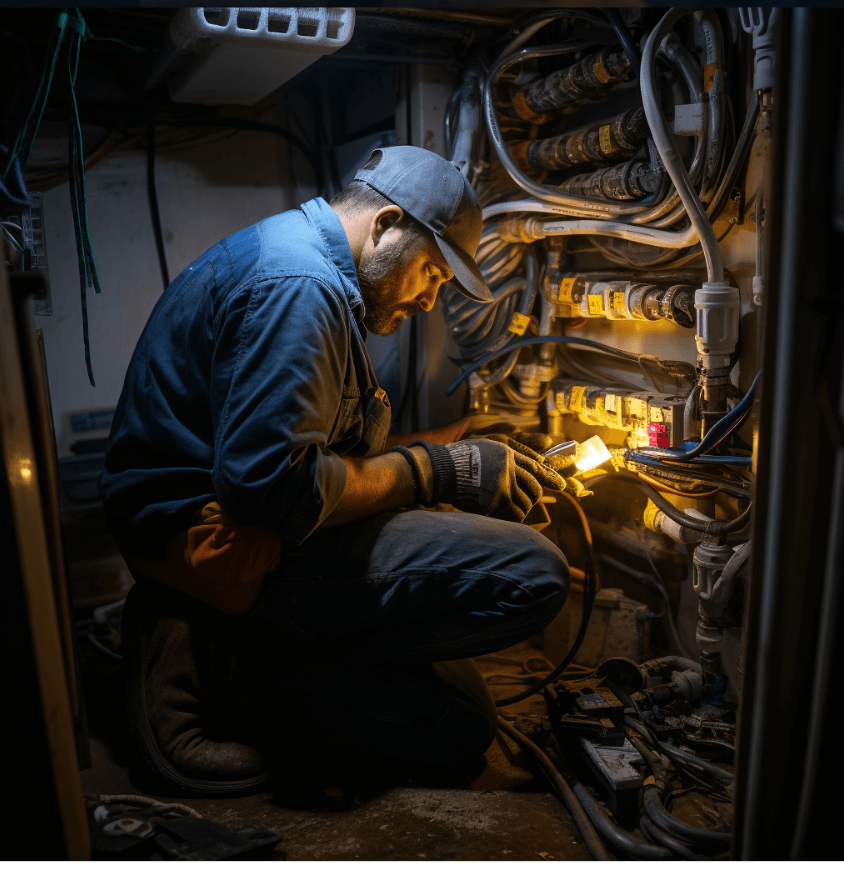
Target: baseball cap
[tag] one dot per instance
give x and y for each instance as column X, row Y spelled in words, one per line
column 434, row 192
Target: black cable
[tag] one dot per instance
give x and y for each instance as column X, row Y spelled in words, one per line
column 548, row 14
column 591, row 590
column 542, row 339
column 229, row 123
column 625, row 38
column 713, row 528
column 663, row 818
column 667, row 840
column 564, row 790
column 722, row 777
column 152, row 196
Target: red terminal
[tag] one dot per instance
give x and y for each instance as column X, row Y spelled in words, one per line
column 658, row 435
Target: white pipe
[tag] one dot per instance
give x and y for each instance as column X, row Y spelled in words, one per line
column 641, row 234
column 670, row 158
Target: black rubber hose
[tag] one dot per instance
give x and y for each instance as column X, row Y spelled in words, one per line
column 615, row 835
column 155, row 215
column 579, row 816
column 663, row 818
column 666, row 839
column 625, row 38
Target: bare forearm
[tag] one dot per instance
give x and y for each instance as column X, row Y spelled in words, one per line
column 378, row 485
column 447, row 434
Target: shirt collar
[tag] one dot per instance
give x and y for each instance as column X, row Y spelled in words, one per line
column 335, row 245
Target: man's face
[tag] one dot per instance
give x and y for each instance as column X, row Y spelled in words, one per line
column 399, row 278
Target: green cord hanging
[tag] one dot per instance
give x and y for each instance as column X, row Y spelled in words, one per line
column 88, row 276
column 79, row 33
column 26, row 137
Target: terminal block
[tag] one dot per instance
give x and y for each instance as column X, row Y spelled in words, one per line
column 651, row 419
column 578, row 296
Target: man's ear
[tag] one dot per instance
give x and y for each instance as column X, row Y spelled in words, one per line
column 383, row 220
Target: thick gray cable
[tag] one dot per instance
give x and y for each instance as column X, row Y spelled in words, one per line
column 663, row 818
column 665, row 145
column 614, row 229
column 584, row 810
column 581, row 819
column 681, row 756
column 663, row 838
column 578, row 206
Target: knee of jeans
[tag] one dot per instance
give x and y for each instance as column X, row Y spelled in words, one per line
column 543, row 570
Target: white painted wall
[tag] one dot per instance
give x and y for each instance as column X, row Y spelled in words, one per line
column 205, row 193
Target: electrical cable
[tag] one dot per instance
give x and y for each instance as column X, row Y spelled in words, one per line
column 667, row 840
column 152, row 196
column 714, row 528
column 665, row 145
column 543, row 339
column 721, row 775
column 722, row 429
column 579, row 206
column 668, row 822
column 591, row 590
column 232, row 123
column 88, row 275
column 581, row 819
column 584, row 809
column 625, row 38
column 146, row 802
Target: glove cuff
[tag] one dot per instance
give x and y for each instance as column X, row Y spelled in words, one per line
column 444, row 472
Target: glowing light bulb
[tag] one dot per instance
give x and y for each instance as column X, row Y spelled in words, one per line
column 590, row 454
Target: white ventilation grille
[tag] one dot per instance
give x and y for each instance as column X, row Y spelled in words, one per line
column 244, row 53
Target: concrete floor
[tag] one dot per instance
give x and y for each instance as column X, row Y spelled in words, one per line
column 360, row 820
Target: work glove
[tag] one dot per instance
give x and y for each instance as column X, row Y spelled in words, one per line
column 505, row 432
column 489, row 478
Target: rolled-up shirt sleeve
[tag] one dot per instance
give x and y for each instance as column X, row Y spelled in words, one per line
column 278, row 366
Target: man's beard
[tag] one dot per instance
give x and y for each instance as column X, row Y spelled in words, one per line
column 379, row 281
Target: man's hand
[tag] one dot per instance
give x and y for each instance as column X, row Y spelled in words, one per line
column 484, row 476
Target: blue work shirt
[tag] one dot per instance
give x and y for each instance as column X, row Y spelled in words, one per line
column 252, row 365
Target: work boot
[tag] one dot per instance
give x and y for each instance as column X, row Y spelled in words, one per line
column 181, row 679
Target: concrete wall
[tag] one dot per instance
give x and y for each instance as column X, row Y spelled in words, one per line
column 205, row 193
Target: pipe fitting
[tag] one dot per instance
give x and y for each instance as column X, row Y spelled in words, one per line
column 689, row 683
column 718, row 306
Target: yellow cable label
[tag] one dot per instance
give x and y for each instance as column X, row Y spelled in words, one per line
column 519, row 323
column 618, row 302
column 610, row 402
column 600, row 73
column 596, row 304
column 523, row 110
column 566, row 286
column 638, row 408
column 709, row 75
column 576, row 402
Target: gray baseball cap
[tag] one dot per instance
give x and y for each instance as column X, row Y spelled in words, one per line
column 434, row 192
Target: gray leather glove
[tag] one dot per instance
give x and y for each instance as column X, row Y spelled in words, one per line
column 490, row 478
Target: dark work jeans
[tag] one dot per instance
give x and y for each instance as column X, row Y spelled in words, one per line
column 351, row 624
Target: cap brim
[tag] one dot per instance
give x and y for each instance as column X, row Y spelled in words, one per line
column 467, row 275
